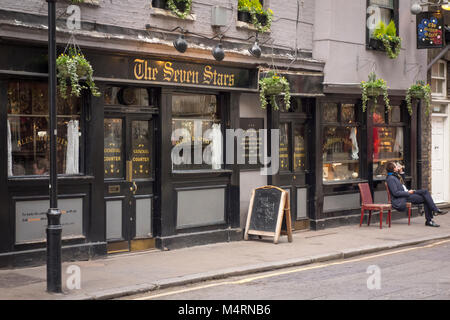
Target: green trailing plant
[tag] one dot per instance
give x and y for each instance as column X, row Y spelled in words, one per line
column 420, row 90
column 372, row 89
column 244, row 5
column 70, row 69
column 272, row 86
column 260, row 18
column 175, row 5
column 388, row 36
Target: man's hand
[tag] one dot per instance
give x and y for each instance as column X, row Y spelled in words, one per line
column 411, row 191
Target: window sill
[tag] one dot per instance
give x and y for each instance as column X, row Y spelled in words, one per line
column 168, row 14
column 247, row 26
column 45, row 179
column 180, row 172
column 94, row 3
column 333, row 183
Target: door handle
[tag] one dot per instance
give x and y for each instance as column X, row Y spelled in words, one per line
column 134, row 188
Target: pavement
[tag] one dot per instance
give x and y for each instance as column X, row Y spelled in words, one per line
column 133, row 273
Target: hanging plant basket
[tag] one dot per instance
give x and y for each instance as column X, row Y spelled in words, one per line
column 181, row 8
column 273, row 86
column 71, row 67
column 420, row 91
column 372, row 89
column 374, row 92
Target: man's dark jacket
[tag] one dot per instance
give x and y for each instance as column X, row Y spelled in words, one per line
column 398, row 194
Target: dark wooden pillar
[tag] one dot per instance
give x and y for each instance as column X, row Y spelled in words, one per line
column 94, row 115
column 316, row 208
column 231, row 102
column 5, row 213
column 166, row 220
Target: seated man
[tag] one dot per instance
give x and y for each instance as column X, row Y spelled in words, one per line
column 401, row 195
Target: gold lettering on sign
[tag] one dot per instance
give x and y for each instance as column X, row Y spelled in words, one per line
column 139, row 69
column 146, row 70
column 168, row 71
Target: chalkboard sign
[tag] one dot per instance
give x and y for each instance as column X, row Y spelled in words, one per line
column 267, row 208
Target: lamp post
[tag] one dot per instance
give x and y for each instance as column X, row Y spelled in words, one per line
column 54, row 228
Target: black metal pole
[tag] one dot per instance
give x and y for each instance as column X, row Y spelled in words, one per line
column 419, row 145
column 54, row 228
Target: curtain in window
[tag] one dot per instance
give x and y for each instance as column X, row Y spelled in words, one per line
column 10, row 171
column 73, row 148
column 355, row 148
column 398, row 144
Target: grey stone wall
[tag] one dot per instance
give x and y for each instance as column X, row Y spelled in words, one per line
column 135, row 14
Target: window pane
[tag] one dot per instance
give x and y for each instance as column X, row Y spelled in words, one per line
column 348, row 113
column 388, row 145
column 27, row 137
column 127, row 96
column 437, row 86
column 141, row 148
column 383, row 3
column 435, row 70
column 395, row 114
column 340, row 154
column 379, row 114
column 330, row 112
column 285, row 158
column 299, row 148
column 114, row 149
column 442, row 70
column 197, row 132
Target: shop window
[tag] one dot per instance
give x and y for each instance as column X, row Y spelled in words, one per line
column 285, row 154
column 114, row 149
column 388, row 140
column 299, row 148
column 439, row 79
column 27, row 131
column 196, row 133
column 341, row 158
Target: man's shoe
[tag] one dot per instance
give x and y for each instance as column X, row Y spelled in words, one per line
column 440, row 212
column 432, row 224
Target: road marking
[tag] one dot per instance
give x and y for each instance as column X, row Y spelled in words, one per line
column 275, row 274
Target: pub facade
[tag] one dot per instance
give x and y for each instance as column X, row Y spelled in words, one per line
column 140, row 167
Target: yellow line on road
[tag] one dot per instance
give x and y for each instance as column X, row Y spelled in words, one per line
column 275, row 274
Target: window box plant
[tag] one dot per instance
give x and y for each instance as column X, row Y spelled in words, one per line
column 71, row 68
column 161, row 4
column 271, row 86
column 244, row 11
column 252, row 11
column 372, row 89
column 181, row 8
column 385, row 38
column 420, row 90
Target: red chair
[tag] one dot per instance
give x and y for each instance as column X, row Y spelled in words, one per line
column 368, row 205
column 408, row 204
